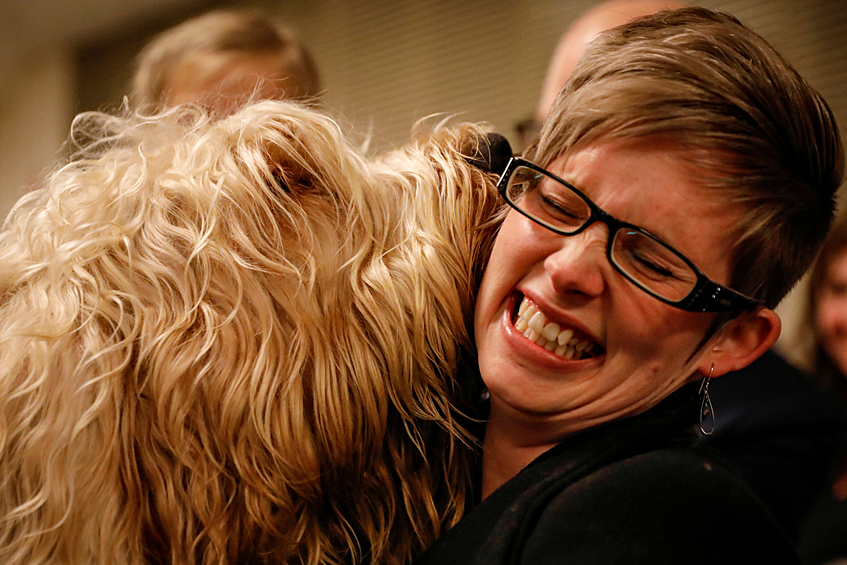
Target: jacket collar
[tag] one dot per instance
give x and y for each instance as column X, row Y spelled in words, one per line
column 671, row 422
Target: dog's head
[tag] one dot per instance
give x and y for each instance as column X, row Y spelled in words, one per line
column 239, row 339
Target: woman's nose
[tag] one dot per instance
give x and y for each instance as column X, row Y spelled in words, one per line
column 580, row 265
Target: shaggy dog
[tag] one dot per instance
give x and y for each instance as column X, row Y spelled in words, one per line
column 236, row 341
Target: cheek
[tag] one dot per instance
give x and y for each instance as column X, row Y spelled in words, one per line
column 661, row 339
column 515, row 251
column 495, row 282
column 653, row 326
column 831, row 315
column 520, row 237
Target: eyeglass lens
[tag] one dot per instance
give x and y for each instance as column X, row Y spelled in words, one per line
column 644, row 260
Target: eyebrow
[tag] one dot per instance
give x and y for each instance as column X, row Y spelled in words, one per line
column 653, row 232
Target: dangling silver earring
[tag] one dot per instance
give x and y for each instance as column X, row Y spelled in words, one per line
column 707, row 411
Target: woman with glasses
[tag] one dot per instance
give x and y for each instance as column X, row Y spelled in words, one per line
column 678, row 190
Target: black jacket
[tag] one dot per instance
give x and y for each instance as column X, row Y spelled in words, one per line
column 780, row 432
column 633, row 491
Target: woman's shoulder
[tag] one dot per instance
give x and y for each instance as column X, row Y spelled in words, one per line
column 678, row 502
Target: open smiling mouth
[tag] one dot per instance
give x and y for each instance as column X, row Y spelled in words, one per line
column 553, row 337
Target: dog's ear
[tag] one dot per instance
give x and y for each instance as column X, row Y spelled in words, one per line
column 285, row 161
column 491, row 153
column 281, row 179
column 286, row 143
column 291, row 167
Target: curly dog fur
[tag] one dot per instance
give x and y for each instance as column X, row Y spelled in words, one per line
column 236, row 341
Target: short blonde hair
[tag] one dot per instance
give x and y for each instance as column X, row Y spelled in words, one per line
column 217, row 32
column 761, row 136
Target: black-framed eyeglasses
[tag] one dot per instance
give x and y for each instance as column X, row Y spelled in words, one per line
column 647, row 261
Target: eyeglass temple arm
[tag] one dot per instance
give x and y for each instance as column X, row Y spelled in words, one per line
column 711, row 297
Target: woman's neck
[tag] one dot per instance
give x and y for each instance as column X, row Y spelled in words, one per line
column 513, row 440
column 504, row 456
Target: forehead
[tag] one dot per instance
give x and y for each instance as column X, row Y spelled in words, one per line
column 216, row 66
column 646, row 173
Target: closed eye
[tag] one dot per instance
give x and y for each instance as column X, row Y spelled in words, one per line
column 559, row 209
column 646, row 263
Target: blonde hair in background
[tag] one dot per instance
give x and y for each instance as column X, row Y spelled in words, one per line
column 237, row 340
column 220, row 33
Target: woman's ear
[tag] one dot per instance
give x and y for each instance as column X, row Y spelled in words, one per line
column 740, row 343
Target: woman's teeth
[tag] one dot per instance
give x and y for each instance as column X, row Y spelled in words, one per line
column 549, row 335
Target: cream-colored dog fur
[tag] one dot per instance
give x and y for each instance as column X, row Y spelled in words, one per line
column 236, row 341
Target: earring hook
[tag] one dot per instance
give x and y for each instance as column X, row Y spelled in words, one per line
column 707, row 411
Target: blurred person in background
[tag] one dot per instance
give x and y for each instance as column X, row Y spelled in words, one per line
column 824, row 539
column 222, row 60
column 571, row 46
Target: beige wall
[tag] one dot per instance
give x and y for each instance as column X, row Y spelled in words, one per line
column 35, row 109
